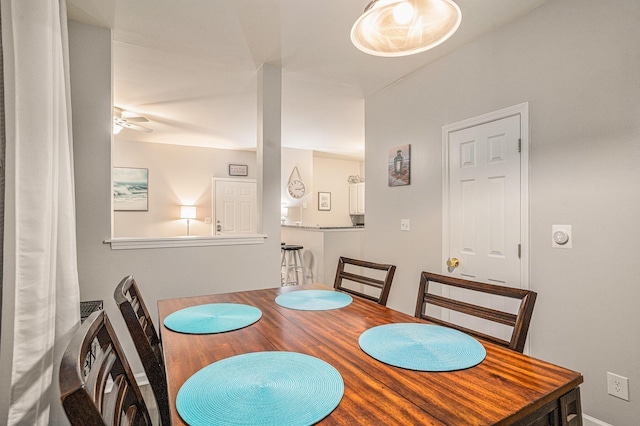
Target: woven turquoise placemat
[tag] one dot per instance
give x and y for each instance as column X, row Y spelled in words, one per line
column 314, row 300
column 212, row 318
column 261, row 388
column 422, row 347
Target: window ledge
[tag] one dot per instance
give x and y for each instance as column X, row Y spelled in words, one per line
column 174, row 242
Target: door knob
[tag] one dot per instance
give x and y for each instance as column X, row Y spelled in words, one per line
column 453, row 262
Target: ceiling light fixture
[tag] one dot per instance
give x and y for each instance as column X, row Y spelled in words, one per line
column 405, row 27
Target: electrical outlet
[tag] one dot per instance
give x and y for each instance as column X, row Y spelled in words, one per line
column 618, row 386
column 405, row 225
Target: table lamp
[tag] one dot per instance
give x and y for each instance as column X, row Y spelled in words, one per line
column 188, row 212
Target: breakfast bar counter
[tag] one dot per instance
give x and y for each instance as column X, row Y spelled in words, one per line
column 323, row 246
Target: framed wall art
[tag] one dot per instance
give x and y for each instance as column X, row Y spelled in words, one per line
column 238, row 170
column 324, row 201
column 399, row 165
column 130, row 189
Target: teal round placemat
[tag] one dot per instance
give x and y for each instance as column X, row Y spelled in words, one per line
column 212, row 318
column 314, row 300
column 261, row 388
column 422, row 347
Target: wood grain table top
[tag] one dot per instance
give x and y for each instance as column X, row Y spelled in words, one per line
column 502, row 389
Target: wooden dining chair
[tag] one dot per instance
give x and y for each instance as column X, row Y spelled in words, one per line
column 518, row 322
column 145, row 339
column 352, row 270
column 93, row 358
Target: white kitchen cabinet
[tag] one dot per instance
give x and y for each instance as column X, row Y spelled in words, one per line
column 356, row 198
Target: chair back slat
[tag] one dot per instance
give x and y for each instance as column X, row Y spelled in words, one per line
column 135, row 302
column 363, row 280
column 113, row 405
column 489, row 314
column 145, row 339
column 383, row 285
column 83, row 388
column 474, row 333
column 97, row 377
column 519, row 322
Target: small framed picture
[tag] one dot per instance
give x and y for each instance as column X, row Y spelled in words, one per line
column 399, row 165
column 238, row 170
column 324, row 201
column 130, row 189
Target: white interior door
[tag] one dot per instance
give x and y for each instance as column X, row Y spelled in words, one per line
column 484, row 201
column 485, row 210
column 235, row 206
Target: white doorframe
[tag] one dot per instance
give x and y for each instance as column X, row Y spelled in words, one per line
column 214, row 180
column 523, row 111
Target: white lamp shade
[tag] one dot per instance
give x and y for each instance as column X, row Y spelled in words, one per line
column 188, row 212
column 405, row 27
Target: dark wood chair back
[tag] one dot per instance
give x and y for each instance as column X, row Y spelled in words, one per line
column 94, row 356
column 146, row 340
column 519, row 322
column 383, row 284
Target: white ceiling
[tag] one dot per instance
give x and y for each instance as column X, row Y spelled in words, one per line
column 189, row 66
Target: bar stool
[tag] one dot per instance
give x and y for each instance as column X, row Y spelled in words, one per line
column 291, row 265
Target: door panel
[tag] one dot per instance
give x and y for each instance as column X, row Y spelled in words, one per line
column 484, row 218
column 484, row 201
column 235, row 206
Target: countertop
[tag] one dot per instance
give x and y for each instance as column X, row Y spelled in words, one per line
column 325, row 228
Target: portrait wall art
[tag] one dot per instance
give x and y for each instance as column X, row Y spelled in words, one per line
column 399, row 165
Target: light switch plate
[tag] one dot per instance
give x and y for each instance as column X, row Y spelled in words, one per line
column 561, row 236
column 405, row 225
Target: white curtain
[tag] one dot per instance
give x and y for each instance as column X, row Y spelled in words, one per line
column 39, row 262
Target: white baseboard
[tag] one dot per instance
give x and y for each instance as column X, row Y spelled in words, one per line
column 591, row 421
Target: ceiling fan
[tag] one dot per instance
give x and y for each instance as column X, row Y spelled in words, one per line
column 125, row 119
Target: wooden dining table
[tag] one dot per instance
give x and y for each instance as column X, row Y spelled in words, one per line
column 506, row 388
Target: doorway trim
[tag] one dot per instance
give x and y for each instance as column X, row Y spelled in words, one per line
column 523, row 111
column 214, row 195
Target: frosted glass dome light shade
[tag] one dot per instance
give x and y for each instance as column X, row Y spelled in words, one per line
column 405, row 27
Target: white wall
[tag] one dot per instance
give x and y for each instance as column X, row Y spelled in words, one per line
column 161, row 273
column 577, row 64
column 321, row 173
column 178, row 175
column 331, row 175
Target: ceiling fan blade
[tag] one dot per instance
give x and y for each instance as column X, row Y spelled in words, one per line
column 135, row 119
column 128, row 115
column 135, row 127
column 124, row 118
